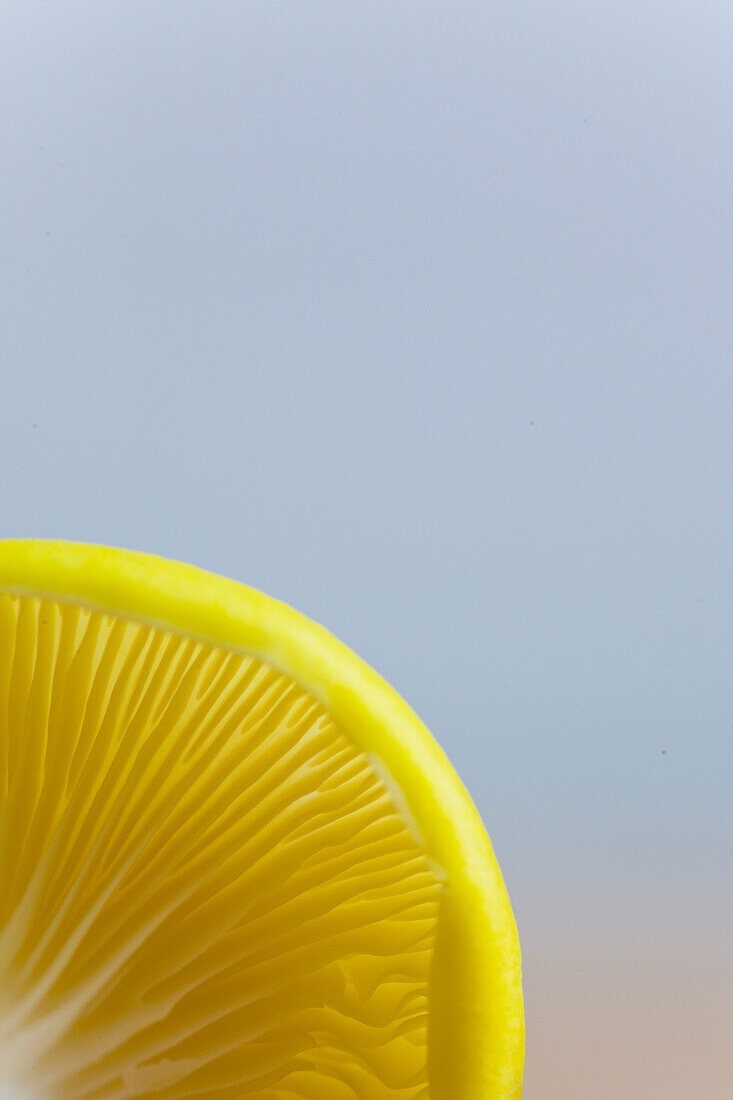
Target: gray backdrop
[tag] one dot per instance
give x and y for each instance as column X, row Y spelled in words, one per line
column 417, row 316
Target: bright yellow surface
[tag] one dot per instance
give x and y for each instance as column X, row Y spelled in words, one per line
column 459, row 974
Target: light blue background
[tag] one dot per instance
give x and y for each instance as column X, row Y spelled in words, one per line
column 418, row 317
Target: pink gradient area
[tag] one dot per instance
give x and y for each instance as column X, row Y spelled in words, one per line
column 625, row 1010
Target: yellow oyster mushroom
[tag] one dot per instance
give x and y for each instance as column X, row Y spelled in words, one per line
column 233, row 862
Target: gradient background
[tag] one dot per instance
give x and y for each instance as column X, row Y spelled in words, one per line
column 419, row 316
